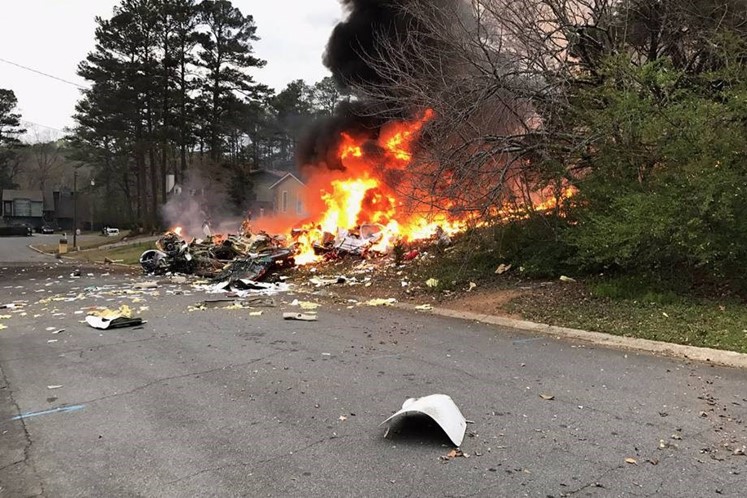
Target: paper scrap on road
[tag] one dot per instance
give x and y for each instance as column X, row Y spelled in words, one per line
column 442, row 409
column 54, row 387
column 424, row 307
column 307, row 305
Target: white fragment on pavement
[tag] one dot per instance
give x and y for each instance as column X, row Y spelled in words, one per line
column 53, row 387
column 442, row 409
column 304, row 317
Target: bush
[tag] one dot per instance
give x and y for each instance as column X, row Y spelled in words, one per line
column 665, row 187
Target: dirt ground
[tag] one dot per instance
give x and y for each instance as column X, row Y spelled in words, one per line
column 381, row 279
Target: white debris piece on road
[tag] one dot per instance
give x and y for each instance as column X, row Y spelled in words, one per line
column 442, row 409
column 304, row 317
column 145, row 285
column 243, row 288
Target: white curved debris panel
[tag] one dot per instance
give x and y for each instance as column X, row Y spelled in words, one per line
column 442, row 409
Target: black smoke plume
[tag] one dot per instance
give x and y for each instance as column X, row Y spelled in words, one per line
column 353, row 43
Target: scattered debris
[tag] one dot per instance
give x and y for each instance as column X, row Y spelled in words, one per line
column 502, row 268
column 381, row 302
column 442, row 409
column 98, row 322
column 631, row 461
column 563, row 278
column 547, row 397
column 304, row 317
column 424, row 307
column 472, row 285
column 109, row 319
column 454, row 453
column 145, row 285
column 432, row 282
column 307, row 305
column 54, row 387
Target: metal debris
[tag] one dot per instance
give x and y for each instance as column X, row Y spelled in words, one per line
column 304, row 317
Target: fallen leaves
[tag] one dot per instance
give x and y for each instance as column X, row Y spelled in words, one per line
column 432, row 282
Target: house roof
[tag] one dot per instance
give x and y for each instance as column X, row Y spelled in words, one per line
column 270, row 172
column 287, row 176
column 32, row 195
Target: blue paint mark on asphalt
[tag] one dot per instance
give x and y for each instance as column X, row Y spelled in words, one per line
column 524, row 341
column 62, row 409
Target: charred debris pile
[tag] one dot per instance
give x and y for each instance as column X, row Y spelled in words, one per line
column 255, row 257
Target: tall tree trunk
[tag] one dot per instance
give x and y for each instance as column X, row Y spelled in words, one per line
column 183, row 114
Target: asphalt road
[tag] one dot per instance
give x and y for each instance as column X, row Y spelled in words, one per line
column 222, row 403
column 16, row 249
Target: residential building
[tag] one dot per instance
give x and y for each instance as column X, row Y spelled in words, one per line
column 23, row 207
column 288, row 195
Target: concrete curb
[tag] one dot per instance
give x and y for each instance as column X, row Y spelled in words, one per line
column 705, row 355
column 30, row 246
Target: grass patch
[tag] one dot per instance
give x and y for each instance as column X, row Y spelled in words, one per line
column 625, row 307
column 128, row 254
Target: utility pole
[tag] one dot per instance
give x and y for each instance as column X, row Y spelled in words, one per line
column 75, row 210
column 90, row 200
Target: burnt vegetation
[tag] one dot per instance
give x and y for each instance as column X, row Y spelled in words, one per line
column 636, row 105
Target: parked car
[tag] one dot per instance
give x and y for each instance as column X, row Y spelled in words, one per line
column 47, row 229
column 15, row 231
column 109, row 231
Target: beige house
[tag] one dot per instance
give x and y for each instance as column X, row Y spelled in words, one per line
column 287, row 194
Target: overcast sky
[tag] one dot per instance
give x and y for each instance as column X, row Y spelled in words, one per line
column 53, row 36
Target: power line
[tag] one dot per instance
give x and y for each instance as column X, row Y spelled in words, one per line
column 27, row 122
column 42, row 73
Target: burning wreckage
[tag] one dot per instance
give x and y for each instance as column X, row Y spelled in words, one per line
column 252, row 257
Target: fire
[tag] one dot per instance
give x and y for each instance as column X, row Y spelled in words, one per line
column 358, row 195
column 368, row 200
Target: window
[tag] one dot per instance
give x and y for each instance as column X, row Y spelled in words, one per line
column 285, row 201
column 8, row 208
